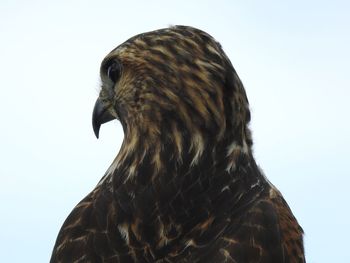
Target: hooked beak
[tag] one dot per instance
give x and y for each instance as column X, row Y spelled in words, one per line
column 100, row 116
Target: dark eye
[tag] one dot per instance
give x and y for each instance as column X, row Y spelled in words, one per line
column 113, row 71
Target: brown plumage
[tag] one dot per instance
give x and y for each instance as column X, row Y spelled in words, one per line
column 184, row 186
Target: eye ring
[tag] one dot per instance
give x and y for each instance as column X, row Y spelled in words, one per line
column 114, row 71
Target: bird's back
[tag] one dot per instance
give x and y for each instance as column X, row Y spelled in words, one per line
column 259, row 227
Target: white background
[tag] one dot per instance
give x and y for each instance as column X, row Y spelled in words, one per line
column 292, row 56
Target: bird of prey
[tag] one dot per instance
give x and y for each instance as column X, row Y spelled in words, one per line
column 184, row 186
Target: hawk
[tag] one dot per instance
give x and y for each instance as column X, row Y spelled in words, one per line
column 184, row 186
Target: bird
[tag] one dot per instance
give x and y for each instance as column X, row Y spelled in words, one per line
column 184, row 186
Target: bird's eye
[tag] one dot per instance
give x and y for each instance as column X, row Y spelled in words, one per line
column 113, row 71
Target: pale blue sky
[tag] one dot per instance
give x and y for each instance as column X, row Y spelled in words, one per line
column 292, row 56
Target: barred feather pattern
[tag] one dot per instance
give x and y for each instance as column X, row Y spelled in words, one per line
column 184, row 186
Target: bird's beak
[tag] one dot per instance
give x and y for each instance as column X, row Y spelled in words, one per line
column 100, row 116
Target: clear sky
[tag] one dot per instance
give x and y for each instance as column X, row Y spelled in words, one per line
column 292, row 56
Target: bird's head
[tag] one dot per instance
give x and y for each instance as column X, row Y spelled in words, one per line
column 173, row 85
